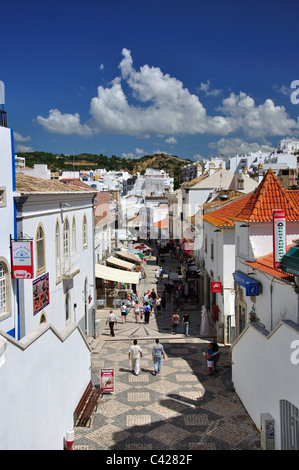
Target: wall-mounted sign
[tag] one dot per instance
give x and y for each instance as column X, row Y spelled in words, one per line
column 252, row 287
column 22, row 259
column 279, row 236
column 216, row 287
column 41, row 294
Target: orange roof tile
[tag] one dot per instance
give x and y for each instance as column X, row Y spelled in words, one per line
column 267, row 196
column 224, row 217
column 265, row 264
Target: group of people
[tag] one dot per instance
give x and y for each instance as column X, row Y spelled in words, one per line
column 135, row 354
column 175, row 321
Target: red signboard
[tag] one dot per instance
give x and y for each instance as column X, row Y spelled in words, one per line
column 279, row 236
column 216, row 287
column 22, row 259
column 107, row 380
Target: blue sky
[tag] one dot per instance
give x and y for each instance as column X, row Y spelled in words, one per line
column 130, row 78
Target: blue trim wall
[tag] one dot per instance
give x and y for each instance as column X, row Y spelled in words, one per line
column 13, row 171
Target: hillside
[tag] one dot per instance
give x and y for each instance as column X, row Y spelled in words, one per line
column 169, row 163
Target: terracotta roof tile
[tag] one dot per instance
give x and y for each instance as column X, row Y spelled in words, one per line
column 270, row 195
column 224, row 216
column 33, row 184
column 265, row 264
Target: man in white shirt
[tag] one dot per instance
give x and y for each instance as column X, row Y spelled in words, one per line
column 112, row 320
column 135, row 353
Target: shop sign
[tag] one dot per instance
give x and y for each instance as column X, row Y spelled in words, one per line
column 216, row 287
column 279, row 236
column 22, row 259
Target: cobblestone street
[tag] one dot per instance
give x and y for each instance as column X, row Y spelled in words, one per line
column 182, row 408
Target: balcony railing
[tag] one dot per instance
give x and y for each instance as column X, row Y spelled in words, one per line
column 70, row 266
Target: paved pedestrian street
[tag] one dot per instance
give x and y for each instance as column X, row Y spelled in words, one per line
column 182, row 409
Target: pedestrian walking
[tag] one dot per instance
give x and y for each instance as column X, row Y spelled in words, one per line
column 146, row 311
column 112, row 320
column 158, row 304
column 124, row 313
column 186, row 323
column 135, row 353
column 175, row 320
column 157, row 354
column 136, row 311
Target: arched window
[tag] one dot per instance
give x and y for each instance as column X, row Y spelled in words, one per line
column 40, row 250
column 66, row 244
column 4, row 290
column 57, row 251
column 84, row 232
column 74, row 242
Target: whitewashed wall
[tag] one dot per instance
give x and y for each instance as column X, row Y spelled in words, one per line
column 8, row 320
column 41, row 381
column 263, row 372
column 45, row 209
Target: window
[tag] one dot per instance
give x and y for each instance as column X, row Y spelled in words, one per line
column 212, row 249
column 40, row 250
column 4, row 289
column 84, row 230
column 74, row 247
column 206, row 244
column 2, row 196
column 57, row 251
column 66, row 244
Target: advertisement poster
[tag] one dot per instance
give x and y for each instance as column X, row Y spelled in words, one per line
column 107, row 380
column 22, row 259
column 41, row 294
column 279, row 236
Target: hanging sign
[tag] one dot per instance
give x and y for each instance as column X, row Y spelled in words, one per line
column 216, row 287
column 22, row 259
column 279, row 236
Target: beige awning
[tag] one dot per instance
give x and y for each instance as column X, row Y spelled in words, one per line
column 129, row 256
column 120, row 263
column 116, row 275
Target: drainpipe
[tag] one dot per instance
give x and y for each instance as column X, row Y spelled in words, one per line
column 271, row 303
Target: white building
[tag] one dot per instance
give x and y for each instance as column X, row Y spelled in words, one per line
column 44, row 356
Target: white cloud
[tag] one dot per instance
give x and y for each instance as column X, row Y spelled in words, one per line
column 19, row 138
column 66, row 124
column 205, row 88
column 171, row 140
column 138, row 153
column 161, row 105
column 257, row 121
column 23, row 148
column 238, row 146
column 283, row 89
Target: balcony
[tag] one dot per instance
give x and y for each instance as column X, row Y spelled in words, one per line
column 70, row 266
